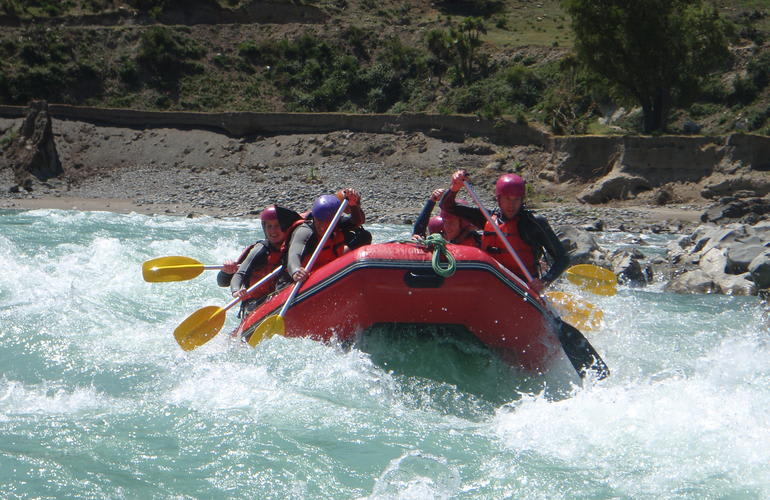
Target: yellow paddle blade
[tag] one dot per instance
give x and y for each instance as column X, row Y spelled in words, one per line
column 172, row 268
column 199, row 327
column 576, row 311
column 593, row 278
column 608, row 290
column 272, row 325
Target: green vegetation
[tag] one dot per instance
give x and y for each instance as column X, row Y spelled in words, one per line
column 656, row 52
column 515, row 59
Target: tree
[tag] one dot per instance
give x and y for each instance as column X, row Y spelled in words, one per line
column 458, row 47
column 657, row 52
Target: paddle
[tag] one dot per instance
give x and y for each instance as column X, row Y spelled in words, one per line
column 576, row 311
column 206, row 322
column 579, row 351
column 595, row 279
column 274, row 325
column 173, row 268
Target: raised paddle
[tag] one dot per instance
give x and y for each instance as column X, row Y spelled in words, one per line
column 579, row 351
column 274, row 325
column 206, row 322
column 173, row 268
column 595, row 279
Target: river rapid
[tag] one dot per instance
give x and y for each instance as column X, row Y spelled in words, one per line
column 98, row 401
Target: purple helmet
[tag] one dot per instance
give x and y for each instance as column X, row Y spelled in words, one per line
column 509, row 185
column 269, row 213
column 325, row 207
column 435, row 224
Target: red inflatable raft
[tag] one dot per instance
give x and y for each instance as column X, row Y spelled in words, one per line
column 395, row 283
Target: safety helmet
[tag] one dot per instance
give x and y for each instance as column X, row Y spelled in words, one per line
column 269, row 213
column 435, row 224
column 325, row 207
column 446, row 215
column 509, row 185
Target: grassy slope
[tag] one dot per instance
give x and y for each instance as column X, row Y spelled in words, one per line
column 96, row 65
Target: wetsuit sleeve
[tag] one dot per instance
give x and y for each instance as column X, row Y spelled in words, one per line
column 352, row 221
column 545, row 237
column 257, row 255
column 421, row 224
column 299, row 241
column 470, row 214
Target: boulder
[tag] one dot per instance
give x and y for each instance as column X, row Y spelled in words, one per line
column 730, row 284
column 759, row 268
column 740, row 256
column 695, row 281
column 731, row 209
column 617, row 186
column 581, row 246
column 714, row 262
column 33, row 153
column 627, row 267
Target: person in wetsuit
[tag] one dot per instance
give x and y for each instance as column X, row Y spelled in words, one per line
column 306, row 234
column 452, row 228
column 529, row 234
column 259, row 259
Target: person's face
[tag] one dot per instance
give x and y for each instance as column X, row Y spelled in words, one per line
column 275, row 235
column 509, row 205
column 451, row 227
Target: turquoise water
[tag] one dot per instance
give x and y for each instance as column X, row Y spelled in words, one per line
column 98, row 401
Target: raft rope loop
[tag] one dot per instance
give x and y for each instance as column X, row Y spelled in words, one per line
column 438, row 244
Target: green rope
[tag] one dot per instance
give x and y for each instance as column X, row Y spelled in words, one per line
column 438, row 244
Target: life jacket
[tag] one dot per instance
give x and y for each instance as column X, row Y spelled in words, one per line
column 491, row 244
column 334, row 247
column 260, row 271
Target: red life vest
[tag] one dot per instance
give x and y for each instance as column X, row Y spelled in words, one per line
column 273, row 261
column 491, row 244
column 334, row 247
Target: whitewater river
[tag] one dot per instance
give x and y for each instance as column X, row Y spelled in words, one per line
column 98, row 401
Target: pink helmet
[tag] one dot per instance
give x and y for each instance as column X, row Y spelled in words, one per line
column 435, row 224
column 509, row 185
column 444, row 215
column 269, row 213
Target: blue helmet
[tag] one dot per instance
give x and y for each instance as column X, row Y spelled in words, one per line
column 325, row 207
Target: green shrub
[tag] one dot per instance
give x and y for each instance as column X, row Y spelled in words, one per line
column 758, row 70
column 166, row 55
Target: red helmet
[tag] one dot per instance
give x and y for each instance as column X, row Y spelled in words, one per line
column 325, row 207
column 509, row 185
column 435, row 224
column 269, row 213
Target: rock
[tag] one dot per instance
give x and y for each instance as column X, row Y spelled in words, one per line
column 619, row 186
column 714, row 262
column 695, row 281
column 626, row 266
column 732, row 209
column 736, row 285
column 739, row 257
column 759, row 268
column 581, row 246
column 33, row 153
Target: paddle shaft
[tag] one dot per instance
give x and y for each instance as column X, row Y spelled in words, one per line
column 256, row 285
column 193, row 266
column 315, row 255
